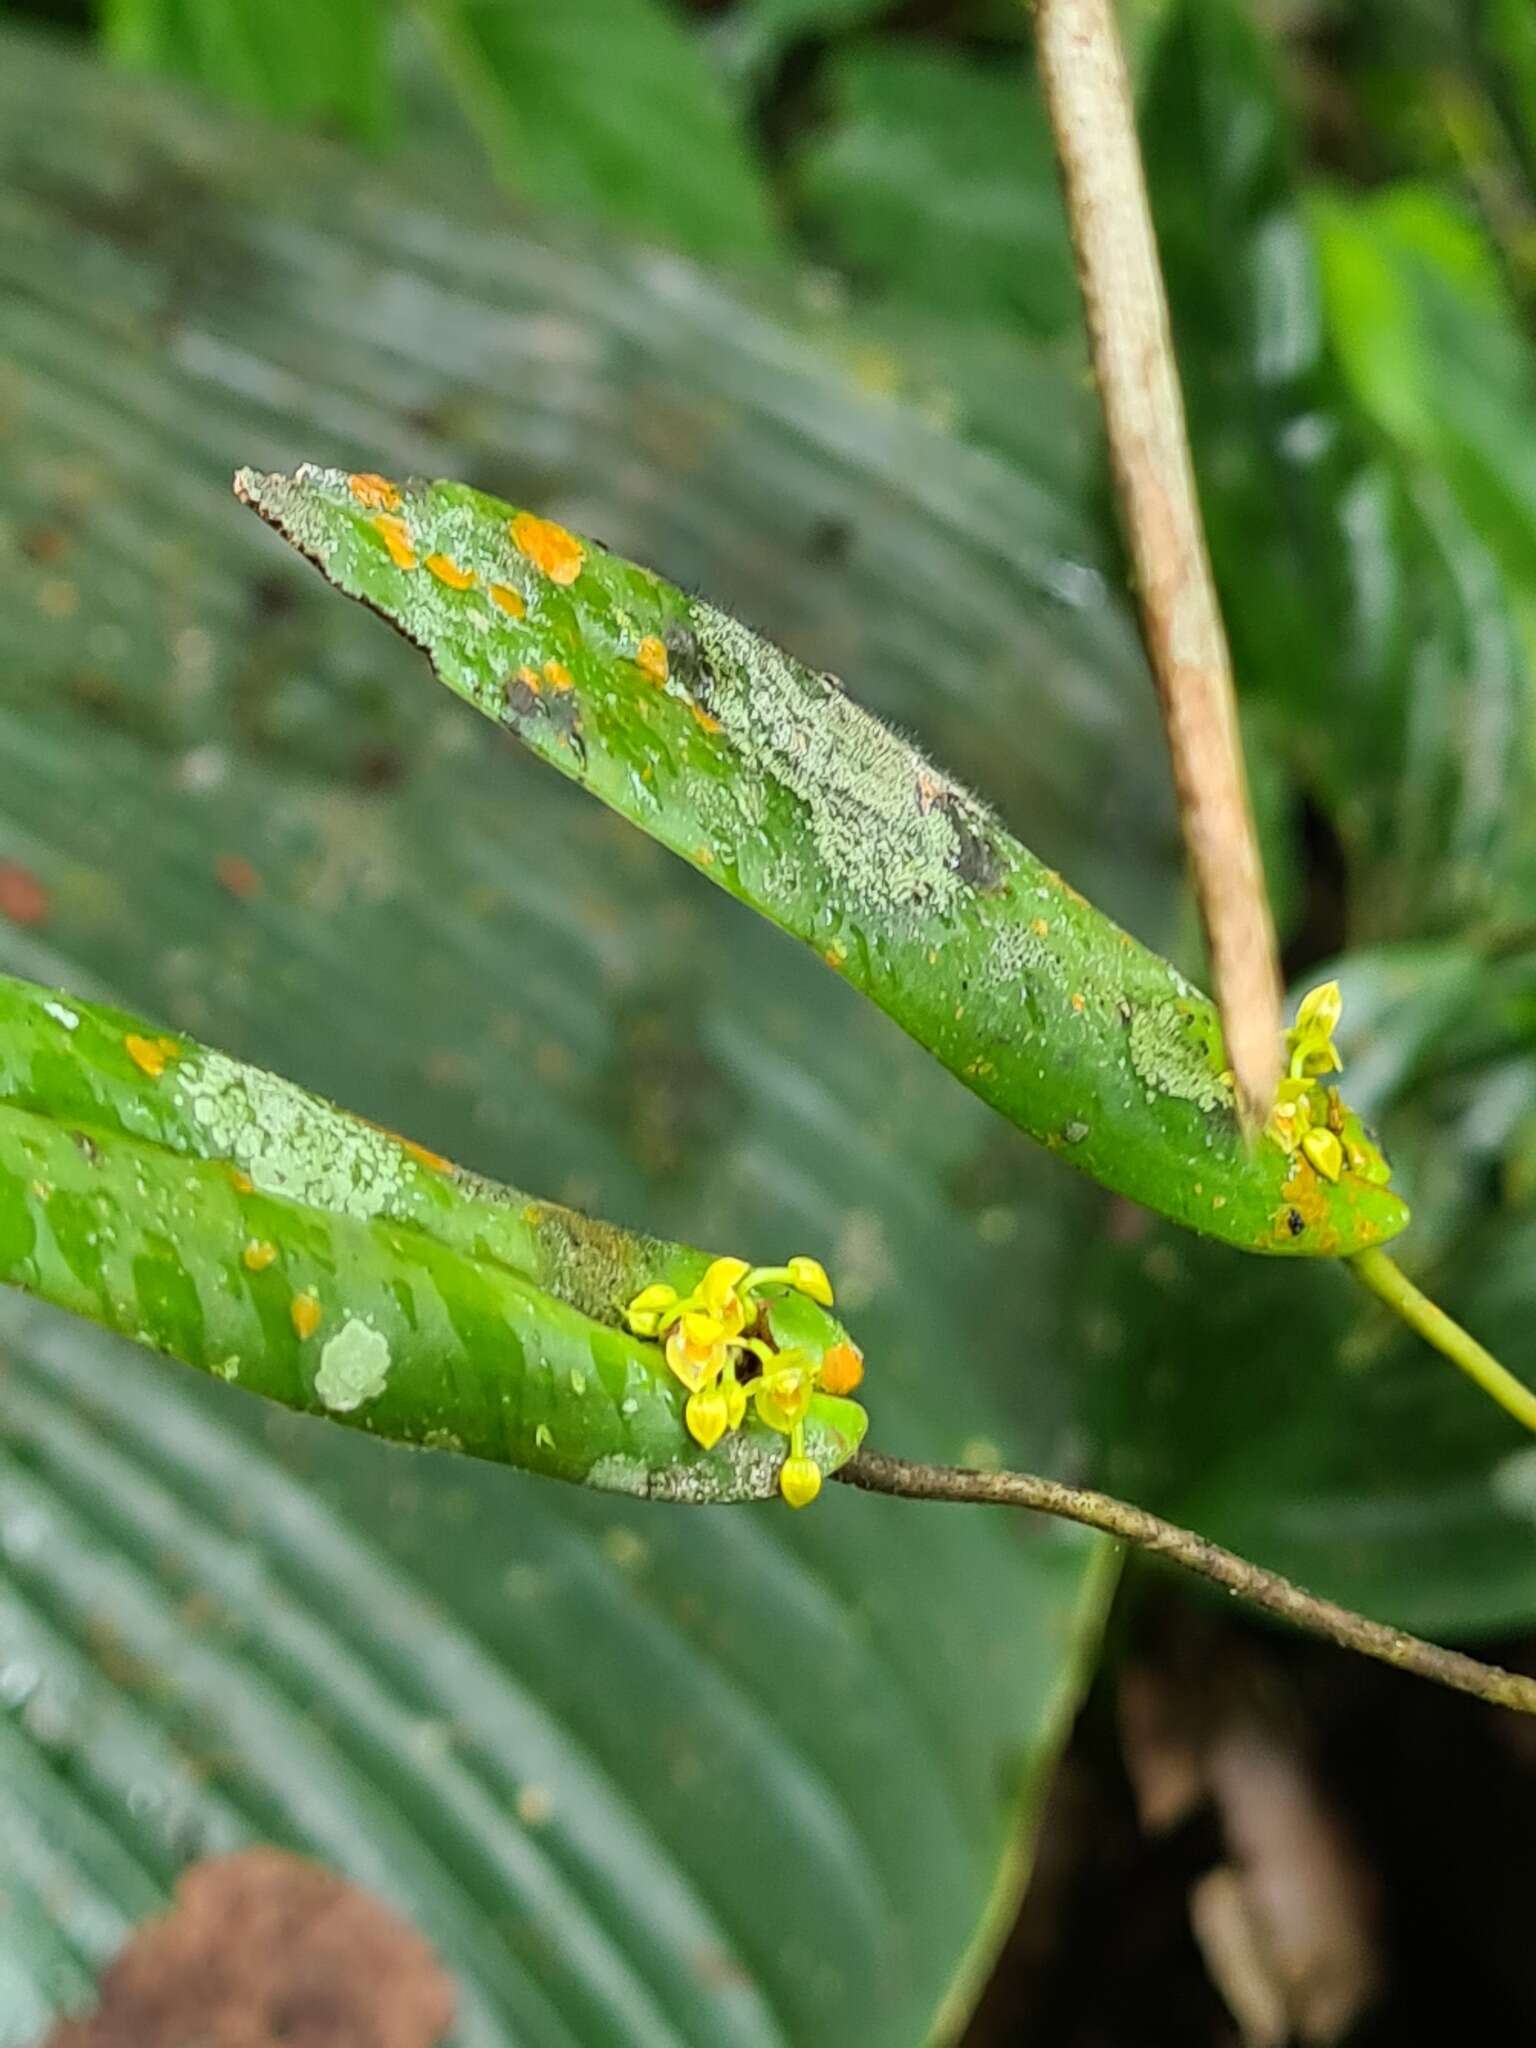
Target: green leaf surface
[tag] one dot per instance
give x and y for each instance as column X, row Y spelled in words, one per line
column 808, row 809
column 1436, row 354
column 287, row 58
column 932, row 179
column 608, row 110
column 642, row 1774
column 1363, row 609
column 230, row 1220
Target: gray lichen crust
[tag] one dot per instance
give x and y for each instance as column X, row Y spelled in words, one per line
column 889, row 830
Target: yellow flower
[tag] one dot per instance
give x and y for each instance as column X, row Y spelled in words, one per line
column 696, row 1365
column 799, row 1481
column 1310, row 1039
column 707, row 1416
column 810, row 1277
column 645, row 1312
column 1325, row 1153
column 782, row 1397
column 703, row 1339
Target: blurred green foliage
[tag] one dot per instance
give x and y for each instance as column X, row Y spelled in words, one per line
column 877, row 440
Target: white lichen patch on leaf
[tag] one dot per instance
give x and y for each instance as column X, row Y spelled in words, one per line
column 289, row 1142
column 1169, row 1056
column 887, row 828
column 354, row 1367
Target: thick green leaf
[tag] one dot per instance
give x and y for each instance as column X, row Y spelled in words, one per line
column 238, row 1224
column 1436, row 355
column 606, row 109
column 739, row 759
column 642, row 1774
column 287, row 58
column 932, row 178
column 1362, row 608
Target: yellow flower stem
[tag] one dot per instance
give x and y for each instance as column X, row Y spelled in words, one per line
column 1389, row 1283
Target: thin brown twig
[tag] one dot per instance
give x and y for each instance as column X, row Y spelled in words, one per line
column 1088, row 96
column 876, row 1472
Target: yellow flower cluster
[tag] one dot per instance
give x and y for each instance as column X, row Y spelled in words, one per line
column 1312, row 1119
column 709, row 1335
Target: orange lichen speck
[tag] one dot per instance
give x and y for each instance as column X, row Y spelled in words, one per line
column 447, row 570
column 529, row 678
column 305, row 1311
column 508, row 599
column 376, row 492
column 435, row 1160
column 147, row 1055
column 549, row 547
column 842, row 1368
column 258, row 1255
column 396, row 536
column 702, row 718
column 558, row 676
column 235, row 873
column 240, row 1182
column 651, row 658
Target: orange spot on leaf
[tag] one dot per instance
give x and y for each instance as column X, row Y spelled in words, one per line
column 376, row 492
column 529, row 678
column 235, row 873
column 147, row 1055
column 651, row 658
column 240, row 1182
column 548, row 546
column 841, row 1369
column 1040, row 928
column 702, row 718
column 447, row 570
column 258, row 1255
column 396, row 536
column 23, row 899
column 558, row 676
column 509, row 600
column 304, row 1309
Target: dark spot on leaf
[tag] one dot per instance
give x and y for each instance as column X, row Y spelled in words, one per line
column 1295, row 1222
column 265, row 1950
column 687, row 661
column 523, row 701
column 974, row 859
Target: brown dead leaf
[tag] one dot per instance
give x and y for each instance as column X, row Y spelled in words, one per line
column 265, row 1950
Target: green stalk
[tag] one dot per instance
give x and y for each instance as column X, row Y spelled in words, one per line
column 1389, row 1283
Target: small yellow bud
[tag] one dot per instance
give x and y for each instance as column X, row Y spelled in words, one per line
column 645, row 1312
column 707, row 1416
column 1325, row 1153
column 735, row 1403
column 810, row 1277
column 841, row 1369
column 718, row 1287
column 799, row 1481
column 1311, row 1038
